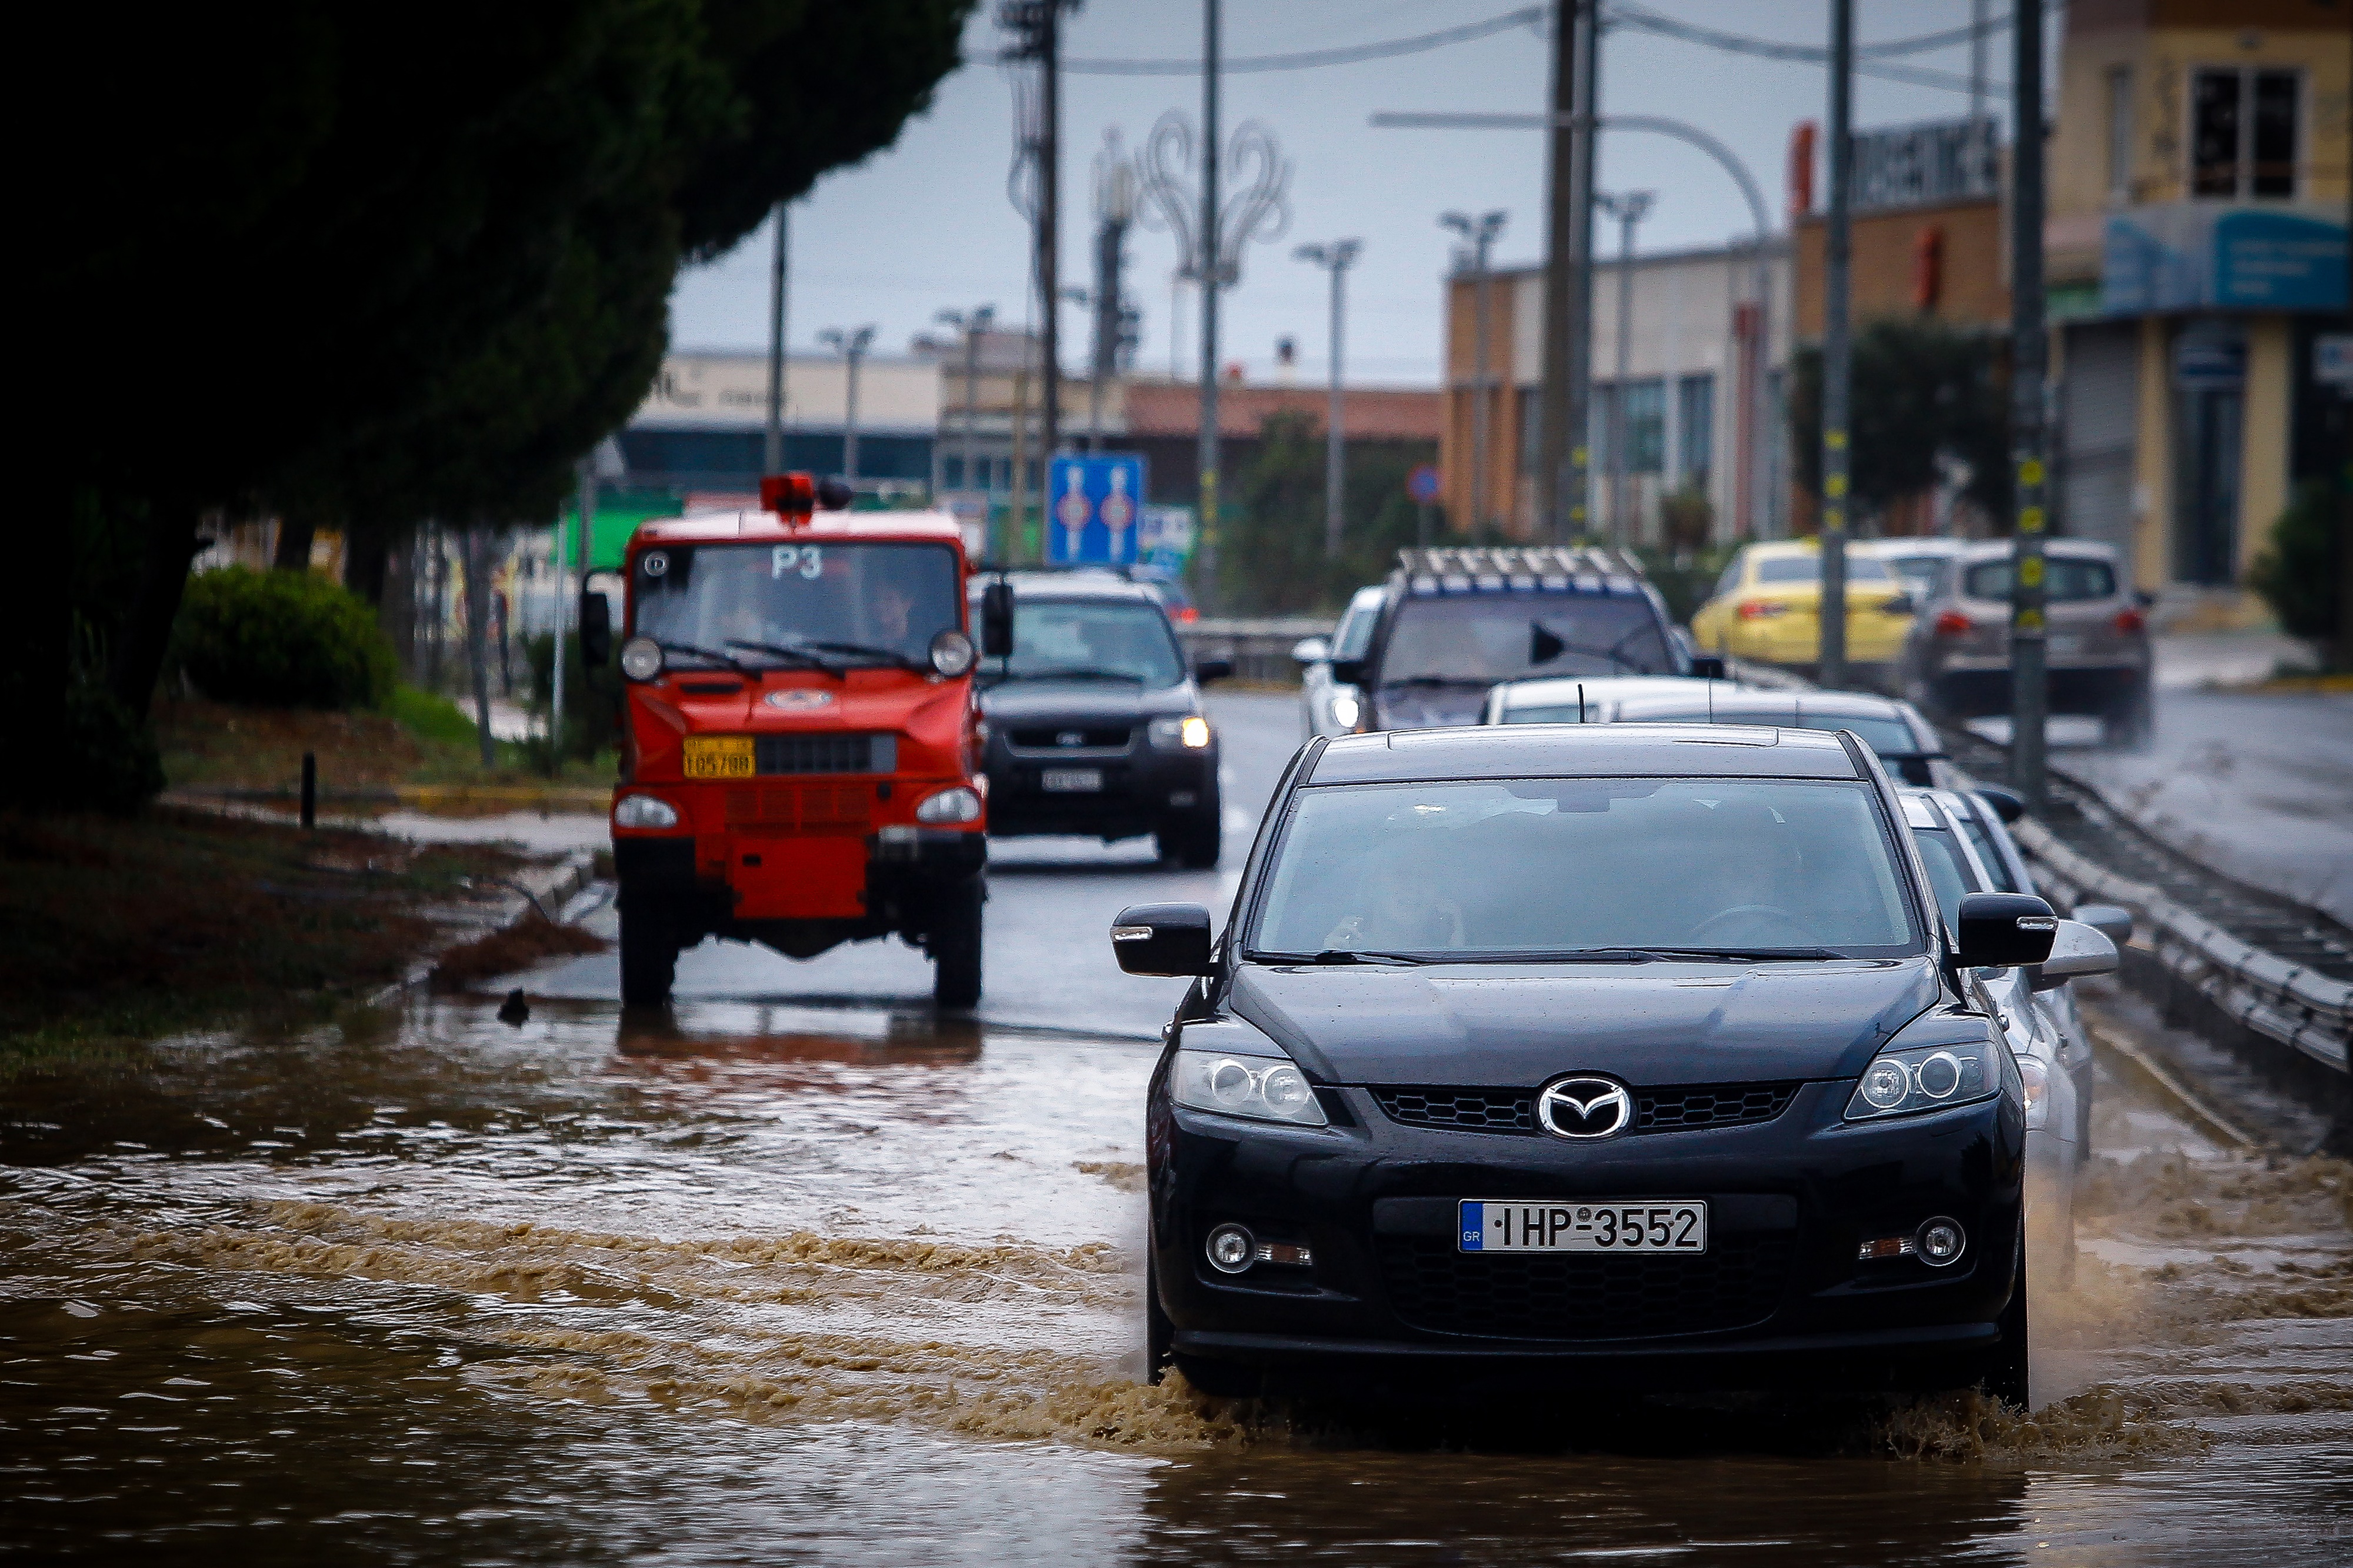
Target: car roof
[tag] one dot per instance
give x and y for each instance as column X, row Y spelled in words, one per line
column 1574, row 751
column 1929, row 545
column 1774, row 705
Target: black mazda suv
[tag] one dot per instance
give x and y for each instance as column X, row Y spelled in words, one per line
column 1095, row 719
column 1636, row 1054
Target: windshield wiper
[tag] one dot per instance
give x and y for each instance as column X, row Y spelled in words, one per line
column 801, row 656
column 1344, row 955
column 689, row 649
column 1743, row 954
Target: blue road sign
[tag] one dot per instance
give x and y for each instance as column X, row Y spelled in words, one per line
column 1091, row 508
column 1422, row 484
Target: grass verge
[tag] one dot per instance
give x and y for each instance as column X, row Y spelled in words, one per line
column 117, row 932
column 420, row 738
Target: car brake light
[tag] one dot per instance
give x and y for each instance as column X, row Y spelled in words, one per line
column 1953, row 623
column 1759, row 609
column 2130, row 621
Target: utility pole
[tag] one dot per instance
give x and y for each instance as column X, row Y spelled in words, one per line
column 852, row 347
column 1211, row 259
column 1335, row 258
column 1629, row 209
column 1479, row 233
column 1837, row 368
column 1585, row 136
column 1050, row 217
column 773, row 456
column 1977, row 60
column 972, row 325
column 1560, row 164
column 2030, row 350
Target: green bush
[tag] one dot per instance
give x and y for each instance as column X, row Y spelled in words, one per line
column 592, row 698
column 2299, row 573
column 281, row 639
column 107, row 756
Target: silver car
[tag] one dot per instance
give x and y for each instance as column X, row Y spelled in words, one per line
column 1330, row 707
column 1955, row 657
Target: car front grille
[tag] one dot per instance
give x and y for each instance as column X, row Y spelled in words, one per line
column 1679, row 1108
column 827, row 753
column 1737, row 1282
column 1091, row 737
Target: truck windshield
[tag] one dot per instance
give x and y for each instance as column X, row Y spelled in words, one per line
column 1067, row 639
column 1520, row 867
column 857, row 602
column 1480, row 638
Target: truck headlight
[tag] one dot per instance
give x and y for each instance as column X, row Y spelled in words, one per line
column 641, row 659
column 951, row 653
column 958, row 805
column 1261, row 1089
column 1190, row 733
column 1925, row 1078
column 644, row 811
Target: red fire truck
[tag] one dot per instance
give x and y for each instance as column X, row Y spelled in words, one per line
column 800, row 751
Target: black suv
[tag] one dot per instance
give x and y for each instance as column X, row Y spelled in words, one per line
column 1457, row 621
column 1095, row 719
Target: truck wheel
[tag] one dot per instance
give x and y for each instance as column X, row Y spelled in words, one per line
column 649, row 956
column 954, row 943
column 1192, row 841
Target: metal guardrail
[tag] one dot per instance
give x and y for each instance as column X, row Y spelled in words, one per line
column 2259, row 990
column 1260, row 649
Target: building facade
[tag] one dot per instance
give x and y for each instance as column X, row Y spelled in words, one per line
column 702, row 427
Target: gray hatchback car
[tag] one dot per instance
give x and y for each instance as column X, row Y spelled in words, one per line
column 1956, row 658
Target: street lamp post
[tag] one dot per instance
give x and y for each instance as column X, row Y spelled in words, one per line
column 1629, row 208
column 971, row 325
column 1335, row 258
column 2029, row 650
column 1837, row 357
column 851, row 346
column 773, row 453
column 1479, row 235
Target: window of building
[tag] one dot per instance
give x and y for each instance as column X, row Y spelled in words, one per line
column 2120, row 130
column 1696, row 430
column 2242, row 134
column 1646, row 426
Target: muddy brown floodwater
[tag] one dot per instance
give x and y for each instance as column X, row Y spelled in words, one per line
column 839, row 1284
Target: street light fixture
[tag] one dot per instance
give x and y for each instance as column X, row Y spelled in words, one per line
column 1335, row 258
column 1630, row 207
column 972, row 325
column 851, row 346
column 1479, row 235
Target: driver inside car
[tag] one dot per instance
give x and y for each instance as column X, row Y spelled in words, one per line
column 1752, row 875
column 1395, row 913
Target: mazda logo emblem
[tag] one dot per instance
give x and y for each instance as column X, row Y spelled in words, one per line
column 1585, row 1106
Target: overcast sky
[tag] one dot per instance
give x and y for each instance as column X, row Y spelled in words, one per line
column 925, row 225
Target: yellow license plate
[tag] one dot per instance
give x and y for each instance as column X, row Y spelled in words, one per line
column 719, row 757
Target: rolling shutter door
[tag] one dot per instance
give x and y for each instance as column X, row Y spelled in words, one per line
column 2099, row 407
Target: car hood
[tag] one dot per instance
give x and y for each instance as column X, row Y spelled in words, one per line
column 1648, row 1024
column 1078, row 700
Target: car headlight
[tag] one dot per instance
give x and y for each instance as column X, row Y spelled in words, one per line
column 951, row 653
column 644, row 811
column 1346, row 710
column 958, row 805
column 641, row 659
column 1925, row 1078
column 1263, row 1088
column 2038, row 1092
column 1189, row 733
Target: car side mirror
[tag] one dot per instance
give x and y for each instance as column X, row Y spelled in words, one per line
column 596, row 628
column 996, row 619
column 2111, row 921
column 2003, row 931
column 2077, row 950
column 1348, row 671
column 1900, row 604
column 1162, row 939
column 1708, row 666
column 2008, row 804
column 1309, row 651
column 1208, row 670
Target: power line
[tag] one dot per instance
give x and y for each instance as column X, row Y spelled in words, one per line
column 1642, row 21
column 1526, row 16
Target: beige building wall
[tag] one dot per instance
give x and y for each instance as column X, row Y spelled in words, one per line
column 2152, row 458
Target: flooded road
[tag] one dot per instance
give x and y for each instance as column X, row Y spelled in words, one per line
column 848, row 1282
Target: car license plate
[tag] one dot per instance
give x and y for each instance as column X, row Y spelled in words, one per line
column 1071, row 781
column 1611, row 1225
column 719, row 757
column 2066, row 642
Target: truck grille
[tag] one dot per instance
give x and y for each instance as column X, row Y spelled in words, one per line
column 1678, row 1108
column 1580, row 1296
column 826, row 754
column 801, row 808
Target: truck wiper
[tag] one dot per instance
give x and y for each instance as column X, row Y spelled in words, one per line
column 798, row 656
column 690, row 650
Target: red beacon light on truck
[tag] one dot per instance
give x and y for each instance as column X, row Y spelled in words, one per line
column 789, row 495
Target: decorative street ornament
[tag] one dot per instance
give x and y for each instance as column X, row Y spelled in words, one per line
column 1256, row 173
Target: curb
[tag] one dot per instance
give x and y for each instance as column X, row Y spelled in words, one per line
column 2155, row 1077
column 535, row 886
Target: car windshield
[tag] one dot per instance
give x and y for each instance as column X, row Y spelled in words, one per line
column 1949, row 871
column 2065, row 580
column 1482, row 639
column 1519, row 867
column 1101, row 639
column 1886, row 737
column 842, row 601
column 1355, row 633
column 1808, row 568
column 1990, row 852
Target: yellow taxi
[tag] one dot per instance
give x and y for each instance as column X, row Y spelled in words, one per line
column 1766, row 607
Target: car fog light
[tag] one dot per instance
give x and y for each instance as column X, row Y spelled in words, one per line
column 1940, row 1241
column 958, row 805
column 1231, row 1250
column 641, row 659
column 644, row 811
